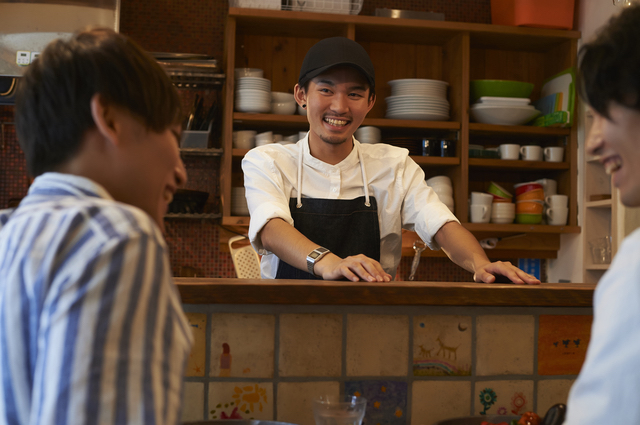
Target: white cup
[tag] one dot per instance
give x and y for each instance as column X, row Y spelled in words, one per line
column 549, row 186
column 557, row 201
column 444, row 180
column 557, row 216
column 264, row 138
column 244, row 139
column 509, row 151
column 277, row 138
column 503, row 208
column 481, row 198
column 553, row 154
column 480, row 213
column 531, row 153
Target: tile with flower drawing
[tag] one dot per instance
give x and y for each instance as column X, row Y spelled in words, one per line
column 386, row 400
column 441, row 345
column 503, row 397
column 198, row 326
column 241, row 400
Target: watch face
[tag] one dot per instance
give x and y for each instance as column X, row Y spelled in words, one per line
column 314, row 255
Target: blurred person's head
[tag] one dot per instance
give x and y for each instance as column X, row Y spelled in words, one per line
column 98, row 106
column 609, row 81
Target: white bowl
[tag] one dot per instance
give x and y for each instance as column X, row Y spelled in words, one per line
column 287, row 108
column 370, row 133
column 502, row 220
column 503, row 115
column 244, row 139
column 446, row 199
column 248, row 72
column 281, row 97
column 446, row 180
column 443, row 190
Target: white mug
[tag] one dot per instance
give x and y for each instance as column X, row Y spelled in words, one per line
column 557, row 201
column 549, row 186
column 553, row 154
column 509, row 151
column 531, row 153
column 481, row 198
column 557, row 216
column 480, row 213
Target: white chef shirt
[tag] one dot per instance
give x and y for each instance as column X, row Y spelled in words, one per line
column 395, row 180
column 606, row 391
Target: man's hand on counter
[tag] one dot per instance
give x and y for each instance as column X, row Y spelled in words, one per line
column 496, row 272
column 355, row 268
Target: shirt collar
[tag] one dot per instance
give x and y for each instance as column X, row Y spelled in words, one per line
column 67, row 184
column 349, row 162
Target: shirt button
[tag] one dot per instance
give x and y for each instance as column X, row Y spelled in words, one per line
column 335, row 189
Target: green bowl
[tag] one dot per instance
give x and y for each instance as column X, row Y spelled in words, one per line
column 499, row 88
column 496, row 189
column 529, row 218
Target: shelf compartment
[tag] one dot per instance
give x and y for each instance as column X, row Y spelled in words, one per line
column 598, row 267
column 202, row 151
column 479, row 128
column 604, row 203
column 193, row 216
column 517, row 164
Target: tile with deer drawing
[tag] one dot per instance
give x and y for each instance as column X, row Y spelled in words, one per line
column 377, row 345
column 503, row 397
column 193, row 401
column 242, row 345
column 386, row 400
column 241, row 400
column 552, row 391
column 504, row 344
column 198, row 326
column 562, row 343
column 442, row 345
column 435, row 401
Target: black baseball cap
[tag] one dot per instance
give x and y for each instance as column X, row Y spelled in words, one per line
column 335, row 51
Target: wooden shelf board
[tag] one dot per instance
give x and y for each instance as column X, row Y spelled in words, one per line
column 479, row 128
column 201, row 152
column 604, row 203
column 435, row 160
column 517, row 164
column 193, row 216
column 598, row 267
column 519, row 228
column 419, row 124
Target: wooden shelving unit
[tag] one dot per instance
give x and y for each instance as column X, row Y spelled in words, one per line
column 276, row 41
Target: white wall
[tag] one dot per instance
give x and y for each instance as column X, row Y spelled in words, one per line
column 592, row 14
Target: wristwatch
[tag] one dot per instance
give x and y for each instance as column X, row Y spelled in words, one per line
column 315, row 256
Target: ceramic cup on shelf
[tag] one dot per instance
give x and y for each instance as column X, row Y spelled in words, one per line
column 557, row 201
column 480, row 213
column 509, row 151
column 264, row 138
column 557, row 216
column 244, row 139
column 531, row 153
column 553, row 154
column 481, row 198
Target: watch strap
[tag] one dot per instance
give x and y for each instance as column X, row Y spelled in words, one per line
column 314, row 256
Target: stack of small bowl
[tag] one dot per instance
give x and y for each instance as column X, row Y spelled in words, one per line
column 529, row 202
column 239, row 202
column 253, row 95
column 503, row 211
column 283, row 103
column 442, row 186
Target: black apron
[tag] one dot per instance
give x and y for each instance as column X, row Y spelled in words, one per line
column 344, row 226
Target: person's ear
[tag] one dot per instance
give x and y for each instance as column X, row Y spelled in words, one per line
column 104, row 117
column 372, row 101
column 300, row 96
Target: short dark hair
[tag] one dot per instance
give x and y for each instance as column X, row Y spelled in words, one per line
column 372, row 90
column 53, row 99
column 609, row 67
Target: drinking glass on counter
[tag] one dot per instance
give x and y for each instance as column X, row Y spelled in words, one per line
column 339, row 410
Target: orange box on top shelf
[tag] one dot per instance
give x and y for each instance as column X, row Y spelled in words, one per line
column 556, row 14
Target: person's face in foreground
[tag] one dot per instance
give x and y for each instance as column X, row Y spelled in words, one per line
column 616, row 143
column 337, row 103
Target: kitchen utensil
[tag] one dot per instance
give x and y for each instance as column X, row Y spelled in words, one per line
column 480, row 213
column 509, row 151
column 553, row 153
column 601, row 250
column 503, row 114
column 531, row 153
column 481, row 198
column 490, row 243
column 245, row 259
column 342, row 409
column 555, row 415
column 557, row 201
column 496, row 189
column 557, row 216
column 522, row 188
column 418, row 247
column 447, row 148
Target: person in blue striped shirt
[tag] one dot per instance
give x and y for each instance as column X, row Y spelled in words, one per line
column 91, row 324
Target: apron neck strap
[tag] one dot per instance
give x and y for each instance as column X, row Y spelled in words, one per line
column 362, row 169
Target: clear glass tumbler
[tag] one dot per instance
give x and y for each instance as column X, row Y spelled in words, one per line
column 601, row 250
column 339, row 410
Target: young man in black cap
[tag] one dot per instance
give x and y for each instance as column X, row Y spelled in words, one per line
column 329, row 207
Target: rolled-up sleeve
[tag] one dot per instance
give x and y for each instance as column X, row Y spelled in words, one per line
column 267, row 196
column 422, row 210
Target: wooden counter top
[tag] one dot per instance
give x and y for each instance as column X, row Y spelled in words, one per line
column 302, row 292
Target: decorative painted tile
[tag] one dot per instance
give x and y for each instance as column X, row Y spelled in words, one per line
column 442, row 345
column 198, row 324
column 433, row 401
column 503, row 397
column 242, row 345
column 562, row 343
column 386, row 401
column 241, row 400
column 193, row 401
column 504, row 345
column 377, row 345
column 552, row 391
column 295, row 400
column 310, row 345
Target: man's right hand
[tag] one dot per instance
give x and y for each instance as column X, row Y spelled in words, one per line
column 355, row 268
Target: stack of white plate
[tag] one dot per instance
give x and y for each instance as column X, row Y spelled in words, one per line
column 253, row 94
column 239, row 202
column 503, row 110
column 418, row 99
column 443, row 187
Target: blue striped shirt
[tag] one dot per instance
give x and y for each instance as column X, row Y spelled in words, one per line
column 91, row 325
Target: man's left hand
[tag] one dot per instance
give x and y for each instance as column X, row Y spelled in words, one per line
column 490, row 271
